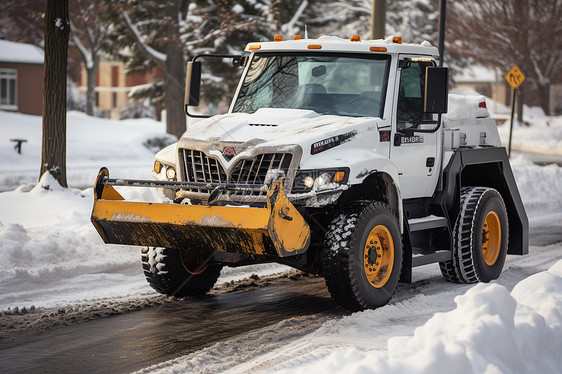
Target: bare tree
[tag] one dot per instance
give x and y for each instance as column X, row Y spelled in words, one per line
column 23, row 20
column 89, row 39
column 57, row 31
column 503, row 33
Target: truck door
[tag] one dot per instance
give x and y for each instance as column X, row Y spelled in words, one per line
column 415, row 154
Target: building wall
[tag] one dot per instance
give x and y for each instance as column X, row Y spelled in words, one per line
column 113, row 87
column 29, row 89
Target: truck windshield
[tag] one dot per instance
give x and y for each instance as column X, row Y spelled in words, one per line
column 349, row 85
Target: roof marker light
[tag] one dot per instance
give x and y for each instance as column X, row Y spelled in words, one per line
column 278, row 38
column 254, row 47
column 355, row 38
column 378, row 49
column 297, row 37
column 397, row 39
column 314, row 46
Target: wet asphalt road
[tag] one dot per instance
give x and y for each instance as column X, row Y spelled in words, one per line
column 133, row 341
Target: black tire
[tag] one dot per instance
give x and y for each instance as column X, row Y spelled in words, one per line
column 361, row 273
column 165, row 272
column 480, row 237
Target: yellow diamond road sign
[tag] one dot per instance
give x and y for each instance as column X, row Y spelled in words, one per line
column 514, row 77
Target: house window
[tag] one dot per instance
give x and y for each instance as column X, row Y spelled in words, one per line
column 8, row 96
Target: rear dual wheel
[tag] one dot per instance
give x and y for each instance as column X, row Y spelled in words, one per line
column 362, row 256
column 480, row 237
column 177, row 272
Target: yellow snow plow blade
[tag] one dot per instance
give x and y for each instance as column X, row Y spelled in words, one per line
column 277, row 229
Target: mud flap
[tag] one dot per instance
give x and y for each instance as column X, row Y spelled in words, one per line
column 278, row 229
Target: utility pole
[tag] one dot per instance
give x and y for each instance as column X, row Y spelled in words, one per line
column 378, row 19
column 442, row 13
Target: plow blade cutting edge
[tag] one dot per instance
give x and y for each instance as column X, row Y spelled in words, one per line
column 277, row 229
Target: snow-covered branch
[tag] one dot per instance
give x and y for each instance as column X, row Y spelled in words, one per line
column 289, row 28
column 156, row 56
column 85, row 52
column 347, row 6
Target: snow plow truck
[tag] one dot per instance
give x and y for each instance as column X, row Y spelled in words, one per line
column 343, row 158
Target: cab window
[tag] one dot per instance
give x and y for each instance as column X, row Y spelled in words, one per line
column 410, row 112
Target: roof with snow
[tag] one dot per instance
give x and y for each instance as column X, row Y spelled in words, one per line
column 336, row 44
column 20, row 53
column 477, row 74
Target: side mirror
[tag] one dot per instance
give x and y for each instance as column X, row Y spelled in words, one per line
column 192, row 84
column 193, row 81
column 436, row 95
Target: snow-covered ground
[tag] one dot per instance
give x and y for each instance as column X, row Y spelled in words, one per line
column 52, row 256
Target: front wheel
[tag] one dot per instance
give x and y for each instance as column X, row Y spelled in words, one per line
column 177, row 272
column 480, row 237
column 362, row 256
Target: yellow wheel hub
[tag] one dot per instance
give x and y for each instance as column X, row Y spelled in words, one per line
column 378, row 256
column 491, row 238
column 192, row 263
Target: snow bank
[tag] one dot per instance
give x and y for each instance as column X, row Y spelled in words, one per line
column 51, row 253
column 540, row 187
column 490, row 331
column 544, row 135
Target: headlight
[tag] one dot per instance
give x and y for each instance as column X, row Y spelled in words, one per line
column 308, row 180
column 323, row 180
column 171, row 172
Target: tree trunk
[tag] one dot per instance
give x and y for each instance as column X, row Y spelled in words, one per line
column 174, row 78
column 175, row 115
column 91, row 89
column 544, row 97
column 57, row 31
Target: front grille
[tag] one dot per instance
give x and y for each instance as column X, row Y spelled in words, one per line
column 254, row 171
column 197, row 167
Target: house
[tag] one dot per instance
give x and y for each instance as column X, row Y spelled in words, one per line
column 21, row 77
column 113, row 86
column 485, row 81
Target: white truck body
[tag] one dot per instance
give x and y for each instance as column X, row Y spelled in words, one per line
column 336, row 158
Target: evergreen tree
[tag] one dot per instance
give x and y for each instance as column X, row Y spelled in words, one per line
column 167, row 34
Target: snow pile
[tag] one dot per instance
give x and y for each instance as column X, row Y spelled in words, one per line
column 490, row 331
column 51, row 253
